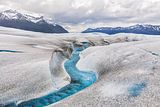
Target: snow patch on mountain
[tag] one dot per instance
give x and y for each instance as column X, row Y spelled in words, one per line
column 14, row 15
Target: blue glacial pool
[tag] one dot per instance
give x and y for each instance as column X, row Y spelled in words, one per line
column 79, row 81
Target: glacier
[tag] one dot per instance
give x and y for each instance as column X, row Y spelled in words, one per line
column 125, row 66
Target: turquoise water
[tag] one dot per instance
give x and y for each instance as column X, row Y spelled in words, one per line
column 136, row 89
column 10, row 51
column 79, row 81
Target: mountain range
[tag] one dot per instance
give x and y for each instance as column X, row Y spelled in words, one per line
column 137, row 29
column 14, row 19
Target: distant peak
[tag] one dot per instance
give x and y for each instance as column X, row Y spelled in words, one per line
column 10, row 11
column 138, row 29
column 14, row 14
column 32, row 22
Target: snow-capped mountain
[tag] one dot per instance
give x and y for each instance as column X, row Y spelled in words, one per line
column 14, row 19
column 137, row 29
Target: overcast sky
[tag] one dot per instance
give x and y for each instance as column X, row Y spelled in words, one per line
column 76, row 15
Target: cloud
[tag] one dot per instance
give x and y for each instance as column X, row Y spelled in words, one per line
column 85, row 13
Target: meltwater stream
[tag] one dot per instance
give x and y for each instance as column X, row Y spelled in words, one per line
column 11, row 51
column 79, row 81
